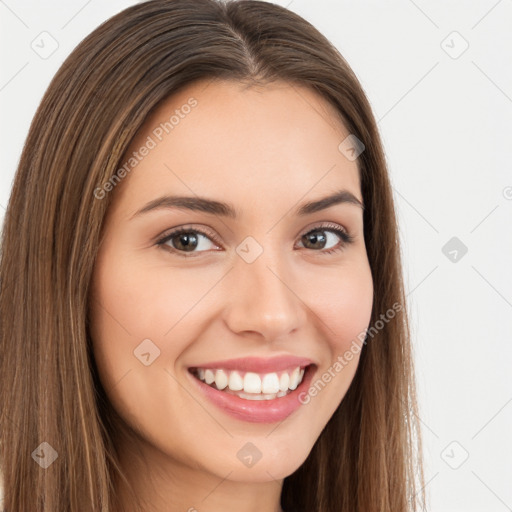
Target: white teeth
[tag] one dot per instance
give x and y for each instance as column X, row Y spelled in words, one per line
column 294, row 378
column 284, row 381
column 256, row 396
column 221, row 379
column 270, row 383
column 251, row 385
column 209, row 376
column 235, row 382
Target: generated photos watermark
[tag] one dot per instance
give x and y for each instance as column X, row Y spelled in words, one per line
column 343, row 360
column 157, row 135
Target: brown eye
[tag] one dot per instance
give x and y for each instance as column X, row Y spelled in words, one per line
column 326, row 240
column 187, row 241
column 315, row 239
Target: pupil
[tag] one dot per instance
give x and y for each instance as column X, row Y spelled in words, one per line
column 315, row 238
column 188, row 241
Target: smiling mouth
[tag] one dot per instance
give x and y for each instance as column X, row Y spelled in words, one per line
column 252, row 385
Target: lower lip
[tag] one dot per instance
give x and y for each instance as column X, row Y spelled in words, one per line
column 257, row 411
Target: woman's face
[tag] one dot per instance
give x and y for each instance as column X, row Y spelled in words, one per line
column 260, row 277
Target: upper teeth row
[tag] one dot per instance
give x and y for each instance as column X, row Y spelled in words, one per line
column 252, row 382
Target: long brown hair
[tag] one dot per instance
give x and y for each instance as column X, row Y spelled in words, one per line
column 368, row 457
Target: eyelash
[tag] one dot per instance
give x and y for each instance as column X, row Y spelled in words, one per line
column 346, row 238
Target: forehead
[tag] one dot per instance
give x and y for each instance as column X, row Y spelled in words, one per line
column 276, row 142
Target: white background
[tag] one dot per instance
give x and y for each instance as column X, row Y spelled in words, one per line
column 445, row 118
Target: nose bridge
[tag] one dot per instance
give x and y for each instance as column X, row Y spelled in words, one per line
column 264, row 301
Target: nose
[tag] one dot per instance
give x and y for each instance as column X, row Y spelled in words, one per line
column 262, row 299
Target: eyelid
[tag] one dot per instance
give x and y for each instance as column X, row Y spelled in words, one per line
column 324, row 225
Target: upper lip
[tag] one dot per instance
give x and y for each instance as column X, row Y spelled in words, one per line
column 258, row 364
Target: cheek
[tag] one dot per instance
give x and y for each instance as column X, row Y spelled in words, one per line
column 343, row 305
column 131, row 310
column 122, row 317
column 132, row 302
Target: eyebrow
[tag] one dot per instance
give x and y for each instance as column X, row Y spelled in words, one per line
column 206, row 205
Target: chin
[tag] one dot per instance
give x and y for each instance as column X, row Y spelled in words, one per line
column 270, row 461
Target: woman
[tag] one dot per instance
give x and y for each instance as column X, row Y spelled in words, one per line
column 201, row 296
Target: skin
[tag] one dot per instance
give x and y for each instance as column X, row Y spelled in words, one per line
column 266, row 150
